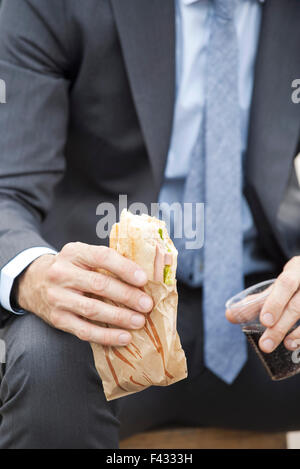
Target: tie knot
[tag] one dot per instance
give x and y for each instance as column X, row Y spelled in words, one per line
column 225, row 8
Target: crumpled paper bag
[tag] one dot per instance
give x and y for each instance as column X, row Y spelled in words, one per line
column 154, row 356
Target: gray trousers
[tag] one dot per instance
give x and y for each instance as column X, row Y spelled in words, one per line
column 52, row 397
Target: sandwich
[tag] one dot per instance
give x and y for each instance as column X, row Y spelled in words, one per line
column 154, row 356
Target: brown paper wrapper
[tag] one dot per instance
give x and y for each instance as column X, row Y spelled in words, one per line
column 154, row 356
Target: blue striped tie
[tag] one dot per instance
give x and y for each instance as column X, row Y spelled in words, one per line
column 216, row 177
column 224, row 348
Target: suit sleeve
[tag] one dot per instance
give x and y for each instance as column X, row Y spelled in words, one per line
column 33, row 120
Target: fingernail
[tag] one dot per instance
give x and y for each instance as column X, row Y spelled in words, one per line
column 268, row 319
column 292, row 343
column 145, row 302
column 268, row 345
column 137, row 320
column 140, row 276
column 124, row 338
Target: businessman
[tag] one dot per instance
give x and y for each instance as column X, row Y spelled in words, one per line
column 170, row 101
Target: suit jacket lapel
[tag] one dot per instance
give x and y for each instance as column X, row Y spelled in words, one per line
column 147, row 33
column 275, row 120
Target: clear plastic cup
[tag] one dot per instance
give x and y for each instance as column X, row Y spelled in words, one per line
column 246, row 306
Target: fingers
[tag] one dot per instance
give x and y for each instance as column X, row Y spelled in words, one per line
column 283, row 290
column 107, row 287
column 95, row 310
column 273, row 336
column 292, row 341
column 87, row 331
column 97, row 257
column 246, row 310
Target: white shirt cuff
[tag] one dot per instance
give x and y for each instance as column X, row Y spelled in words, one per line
column 14, row 267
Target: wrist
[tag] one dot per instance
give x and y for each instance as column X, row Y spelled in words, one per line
column 30, row 281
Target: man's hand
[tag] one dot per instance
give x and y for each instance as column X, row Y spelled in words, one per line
column 54, row 288
column 281, row 310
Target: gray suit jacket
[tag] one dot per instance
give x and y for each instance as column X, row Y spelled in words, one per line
column 90, row 98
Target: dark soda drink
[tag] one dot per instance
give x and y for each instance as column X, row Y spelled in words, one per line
column 281, row 363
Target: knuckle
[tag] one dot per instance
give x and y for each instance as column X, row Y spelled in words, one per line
column 51, row 296
column 97, row 282
column 83, row 333
column 103, row 254
column 55, row 318
column 107, row 338
column 288, row 280
column 100, row 283
column 87, row 308
column 69, row 249
column 72, row 250
column 55, row 272
column 130, row 296
column 118, row 316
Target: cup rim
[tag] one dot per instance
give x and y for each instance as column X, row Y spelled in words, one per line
column 246, row 292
